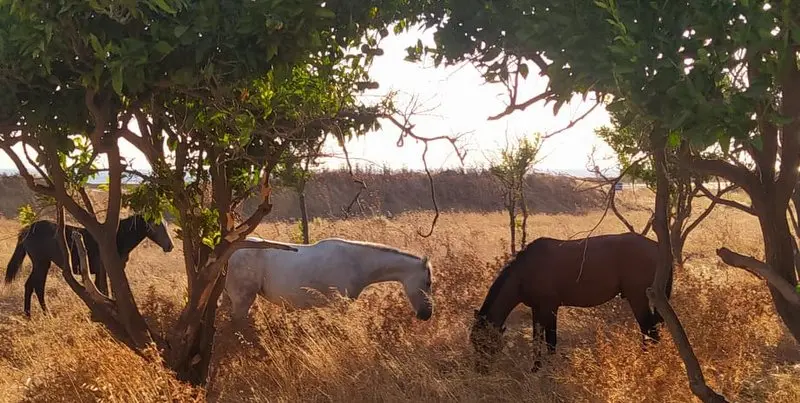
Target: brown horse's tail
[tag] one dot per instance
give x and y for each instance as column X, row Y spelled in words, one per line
column 16, row 259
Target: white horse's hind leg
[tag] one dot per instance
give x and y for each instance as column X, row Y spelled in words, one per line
column 240, row 304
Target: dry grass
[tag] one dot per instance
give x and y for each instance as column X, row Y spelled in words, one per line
column 374, row 350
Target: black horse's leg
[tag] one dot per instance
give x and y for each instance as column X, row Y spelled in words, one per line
column 40, row 283
column 100, row 277
column 32, row 284
column 544, row 321
column 29, row 286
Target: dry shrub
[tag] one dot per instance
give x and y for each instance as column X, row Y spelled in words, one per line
column 373, row 349
column 66, row 358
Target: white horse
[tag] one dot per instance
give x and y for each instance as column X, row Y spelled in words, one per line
column 329, row 266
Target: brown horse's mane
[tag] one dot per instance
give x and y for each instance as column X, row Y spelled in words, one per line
column 505, row 273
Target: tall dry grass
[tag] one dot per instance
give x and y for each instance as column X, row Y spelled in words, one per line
column 374, row 350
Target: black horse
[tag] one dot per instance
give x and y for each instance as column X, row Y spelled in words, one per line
column 38, row 241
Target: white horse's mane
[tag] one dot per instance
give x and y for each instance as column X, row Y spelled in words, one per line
column 373, row 245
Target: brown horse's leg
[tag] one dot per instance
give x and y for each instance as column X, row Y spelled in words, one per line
column 644, row 316
column 544, row 321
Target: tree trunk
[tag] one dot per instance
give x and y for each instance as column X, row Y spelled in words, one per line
column 676, row 240
column 657, row 292
column 129, row 314
column 524, row 206
column 303, row 217
column 779, row 255
column 512, row 221
column 192, row 338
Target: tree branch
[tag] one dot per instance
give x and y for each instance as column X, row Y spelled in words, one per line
column 575, row 121
column 762, row 271
column 717, row 199
column 714, row 201
column 735, row 174
column 23, row 172
column 91, row 289
column 521, row 107
column 261, row 244
column 612, row 192
column 407, row 130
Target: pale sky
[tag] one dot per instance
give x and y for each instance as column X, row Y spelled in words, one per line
column 461, row 102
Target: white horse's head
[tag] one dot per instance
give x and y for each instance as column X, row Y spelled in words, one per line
column 417, row 285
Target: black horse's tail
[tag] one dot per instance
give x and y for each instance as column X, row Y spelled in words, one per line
column 16, row 259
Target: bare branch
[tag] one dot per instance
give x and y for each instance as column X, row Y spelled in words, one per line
column 433, row 194
column 762, row 271
column 708, row 210
column 83, row 261
column 697, row 381
column 87, row 202
column 262, row 244
column 735, row 174
column 36, row 166
column 575, row 121
column 521, row 107
column 362, row 186
column 726, row 202
column 407, row 130
column 23, row 171
column 612, row 192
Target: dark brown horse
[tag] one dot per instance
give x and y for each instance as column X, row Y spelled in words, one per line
column 549, row 273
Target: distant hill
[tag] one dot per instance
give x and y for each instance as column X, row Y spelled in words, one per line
column 387, row 193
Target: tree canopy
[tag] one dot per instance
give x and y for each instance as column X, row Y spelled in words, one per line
column 718, row 78
column 218, row 94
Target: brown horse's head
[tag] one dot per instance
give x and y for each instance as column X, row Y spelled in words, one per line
column 486, row 338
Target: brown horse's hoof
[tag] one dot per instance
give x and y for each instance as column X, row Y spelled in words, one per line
column 482, row 369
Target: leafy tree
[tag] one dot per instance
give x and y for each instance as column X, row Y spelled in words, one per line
column 628, row 139
column 719, row 78
column 511, row 169
column 295, row 171
column 219, row 92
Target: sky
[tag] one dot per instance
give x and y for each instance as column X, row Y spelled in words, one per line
column 456, row 100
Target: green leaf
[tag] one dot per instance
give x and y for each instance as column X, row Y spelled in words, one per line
column 779, row 120
column 673, row 139
column 163, row 47
column 323, row 12
column 116, row 80
column 180, row 30
column 97, row 47
column 758, row 143
column 523, row 70
column 724, row 141
column 164, row 6
column 678, row 122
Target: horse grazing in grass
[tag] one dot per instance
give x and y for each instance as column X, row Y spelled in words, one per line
column 329, row 266
column 38, row 241
column 549, row 273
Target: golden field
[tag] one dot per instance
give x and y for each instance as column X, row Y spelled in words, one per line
column 374, row 350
